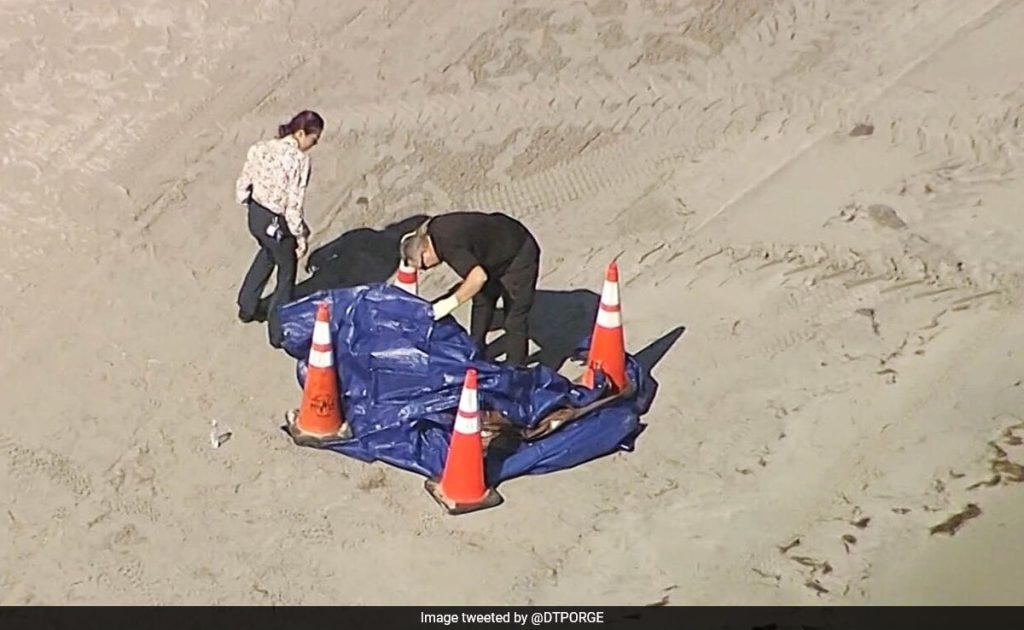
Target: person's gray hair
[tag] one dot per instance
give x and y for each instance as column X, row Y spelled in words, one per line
column 414, row 244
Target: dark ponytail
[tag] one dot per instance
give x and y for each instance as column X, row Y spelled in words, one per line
column 307, row 121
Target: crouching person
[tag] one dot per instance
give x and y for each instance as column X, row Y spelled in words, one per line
column 496, row 256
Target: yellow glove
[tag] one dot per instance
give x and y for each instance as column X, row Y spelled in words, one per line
column 443, row 308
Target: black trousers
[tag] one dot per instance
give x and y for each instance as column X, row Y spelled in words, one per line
column 516, row 287
column 274, row 252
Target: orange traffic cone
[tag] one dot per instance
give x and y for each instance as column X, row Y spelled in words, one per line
column 407, row 279
column 607, row 344
column 318, row 421
column 462, row 487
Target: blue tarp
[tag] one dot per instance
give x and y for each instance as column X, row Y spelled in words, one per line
column 401, row 376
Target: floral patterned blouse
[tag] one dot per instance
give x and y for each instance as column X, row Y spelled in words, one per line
column 276, row 174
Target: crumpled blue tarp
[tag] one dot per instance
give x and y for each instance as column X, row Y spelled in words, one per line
column 401, row 376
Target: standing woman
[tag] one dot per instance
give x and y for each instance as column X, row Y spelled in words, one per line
column 273, row 184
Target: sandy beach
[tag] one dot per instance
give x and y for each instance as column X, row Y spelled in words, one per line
column 815, row 206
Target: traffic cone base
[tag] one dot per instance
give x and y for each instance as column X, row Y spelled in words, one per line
column 589, row 377
column 490, row 499
column 302, row 438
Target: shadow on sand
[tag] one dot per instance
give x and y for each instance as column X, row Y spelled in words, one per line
column 558, row 322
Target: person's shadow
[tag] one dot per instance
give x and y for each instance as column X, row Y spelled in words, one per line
column 560, row 320
column 360, row 256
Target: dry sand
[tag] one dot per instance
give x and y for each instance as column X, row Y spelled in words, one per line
column 850, row 301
